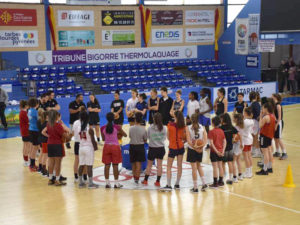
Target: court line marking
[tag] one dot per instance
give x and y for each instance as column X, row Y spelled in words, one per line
column 260, row 201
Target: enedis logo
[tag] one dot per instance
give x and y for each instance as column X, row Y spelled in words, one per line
column 167, row 34
column 6, row 17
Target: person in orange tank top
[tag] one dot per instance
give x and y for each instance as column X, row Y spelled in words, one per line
column 267, row 130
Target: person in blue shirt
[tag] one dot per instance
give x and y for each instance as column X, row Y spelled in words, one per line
column 33, row 131
column 142, row 107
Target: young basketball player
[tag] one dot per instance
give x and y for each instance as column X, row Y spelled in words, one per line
column 111, row 150
column 42, row 123
column 217, row 149
column 192, row 106
column 141, row 107
column 117, row 107
column 240, row 104
column 229, row 132
column 40, row 151
column 279, row 127
column 94, row 120
column 267, row 125
column 254, row 98
column 195, row 132
column 165, row 105
column 176, row 135
column 221, row 103
column 153, row 104
column 205, row 108
column 138, row 138
column 157, row 134
column 24, row 129
column 131, row 106
column 238, row 148
column 178, row 103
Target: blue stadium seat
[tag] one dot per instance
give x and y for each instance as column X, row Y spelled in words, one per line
column 53, row 76
column 103, row 74
column 169, row 64
column 102, row 67
column 42, row 84
column 95, row 74
column 53, row 69
column 127, row 72
column 52, row 83
column 103, row 80
column 34, row 77
column 118, row 66
column 61, row 69
column 111, row 80
column 78, row 89
column 62, row 76
column 125, row 66
column 87, row 68
column 86, row 93
column 40, row 91
column 79, row 69
column 25, row 77
column 141, row 72
column 120, row 80
column 95, row 68
column 70, row 82
column 61, row 83
column 70, row 69
column 60, row 91
column 70, row 89
column 121, row 86
column 110, row 73
column 88, row 74
column 111, row 67
column 35, row 70
column 45, row 70
column 43, row 77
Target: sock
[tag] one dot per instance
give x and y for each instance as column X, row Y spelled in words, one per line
column 234, row 176
column 195, row 184
column 146, row 177
column 265, row 167
column 32, row 162
column 284, row 151
column 270, row 165
column 230, row 176
column 169, row 182
column 240, row 174
column 177, row 181
column 203, row 181
column 50, row 176
column 85, row 176
column 40, row 166
column 107, row 181
column 44, row 169
column 158, row 178
column 277, row 150
column 220, row 179
column 76, row 175
column 98, row 139
column 80, row 180
column 25, row 157
column 90, row 180
column 57, row 178
column 215, row 180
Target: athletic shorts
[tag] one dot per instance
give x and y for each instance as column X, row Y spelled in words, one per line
column 228, row 156
column 237, row 149
column 137, row 153
column 175, row 152
column 44, row 148
column 76, row 148
column 34, row 137
column 86, row 156
column 204, row 121
column 131, row 119
column 255, row 127
column 94, row 120
column 143, row 123
column 247, row 148
column 55, row 150
column 214, row 157
column 111, row 154
column 193, row 156
column 264, row 141
column 278, row 131
column 26, row 139
column 156, row 153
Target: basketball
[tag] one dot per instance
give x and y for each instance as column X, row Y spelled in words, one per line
column 198, row 143
column 236, row 138
column 130, row 114
column 116, row 116
column 67, row 137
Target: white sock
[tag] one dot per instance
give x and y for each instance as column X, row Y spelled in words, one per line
column 177, row 181
column 107, row 181
column 203, row 181
column 169, row 182
column 195, row 184
column 50, row 176
column 284, row 151
column 265, row 167
column 57, row 178
column 277, row 150
column 230, row 176
column 269, row 165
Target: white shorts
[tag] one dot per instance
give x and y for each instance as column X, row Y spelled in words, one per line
column 237, row 150
column 86, row 156
column 255, row 127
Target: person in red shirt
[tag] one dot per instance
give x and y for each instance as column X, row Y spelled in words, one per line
column 218, row 143
column 55, row 132
column 24, row 129
column 267, row 124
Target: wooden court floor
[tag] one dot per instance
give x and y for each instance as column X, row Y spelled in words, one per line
column 25, row 197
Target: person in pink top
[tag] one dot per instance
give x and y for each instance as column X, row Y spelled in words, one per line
column 111, row 150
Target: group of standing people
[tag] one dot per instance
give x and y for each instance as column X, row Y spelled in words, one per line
column 287, row 76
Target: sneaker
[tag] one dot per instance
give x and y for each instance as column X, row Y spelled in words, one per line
column 166, row 188
column 204, row 187
column 260, row 164
column 229, row 182
column 93, row 186
column 39, row 170
column 81, row 185
column 214, row 186
column 276, row 154
column 283, row 156
column 32, row 168
column 177, row 187
column 248, row 175
column 221, row 184
column 107, row 186
column 51, row 182
column 262, row 172
column 157, row 184
column 76, row 180
column 26, row 163
column 270, row 170
column 45, row 173
column 118, row 186
column 62, row 178
column 241, row 178
column 136, row 182
column 145, row 182
column 194, row 190
column 235, row 180
column 59, row 183
column 68, row 145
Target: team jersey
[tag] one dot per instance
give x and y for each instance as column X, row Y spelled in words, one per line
column 176, row 136
column 268, row 130
column 33, row 117
column 246, row 132
column 195, row 136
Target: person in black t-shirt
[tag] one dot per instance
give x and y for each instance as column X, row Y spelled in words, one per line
column 52, row 103
column 165, row 105
column 142, row 107
column 117, row 107
column 240, row 104
column 153, row 103
column 44, row 103
column 94, row 119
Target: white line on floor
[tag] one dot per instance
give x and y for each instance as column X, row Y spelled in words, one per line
column 260, row 201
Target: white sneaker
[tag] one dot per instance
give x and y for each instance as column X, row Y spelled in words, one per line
column 247, row 175
column 235, row 180
column 76, row 180
column 241, row 177
column 26, row 163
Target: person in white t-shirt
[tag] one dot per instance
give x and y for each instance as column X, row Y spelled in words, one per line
column 131, row 106
column 192, row 106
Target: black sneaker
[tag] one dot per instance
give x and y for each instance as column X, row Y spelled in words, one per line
column 229, row 182
column 221, row 184
column 166, row 188
column 45, row 173
column 176, row 186
column 68, row 145
column 62, row 178
column 214, row 186
column 51, row 181
column 262, row 172
column 283, row 156
column 276, row 154
column 194, row 190
column 260, row 164
column 107, row 186
column 118, row 186
column 204, row 187
column 270, row 170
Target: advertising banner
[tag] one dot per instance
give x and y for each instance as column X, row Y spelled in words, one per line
column 199, row 17
column 266, row 45
column 164, row 36
column 18, row 17
column 167, row 17
column 118, row 37
column 39, row 58
column 94, row 2
column 241, row 36
column 76, row 38
column 69, row 57
column 200, row 35
column 19, row 38
column 75, row 18
column 117, row 18
column 253, row 33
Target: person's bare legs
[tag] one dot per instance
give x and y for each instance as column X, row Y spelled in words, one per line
column 169, row 172
column 194, row 175
column 179, row 168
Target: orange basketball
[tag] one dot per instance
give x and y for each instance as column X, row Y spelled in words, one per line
column 198, row 143
column 130, row 114
column 116, row 115
column 236, row 138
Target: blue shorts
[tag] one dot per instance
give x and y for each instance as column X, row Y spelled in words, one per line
column 204, row 121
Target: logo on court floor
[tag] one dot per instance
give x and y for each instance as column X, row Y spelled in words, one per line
column 232, row 94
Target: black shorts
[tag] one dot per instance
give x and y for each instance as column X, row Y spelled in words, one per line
column 94, row 120
column 34, row 137
column 264, row 141
column 214, row 157
column 143, row 123
column 156, row 153
column 26, row 139
column 137, row 153
column 193, row 156
column 278, row 131
column 55, row 150
column 131, row 119
column 175, row 152
column 228, row 156
column 119, row 121
column 76, row 148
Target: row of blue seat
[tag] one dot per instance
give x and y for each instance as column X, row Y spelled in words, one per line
column 216, row 73
column 214, row 79
column 231, row 83
column 54, row 83
column 40, row 77
column 61, row 90
column 196, row 68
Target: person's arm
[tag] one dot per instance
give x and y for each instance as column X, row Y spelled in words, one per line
column 241, row 140
column 102, row 135
column 263, row 120
column 121, row 131
column 213, row 146
column 172, row 109
column 224, row 146
column 197, row 110
column 279, row 115
column 188, row 137
column 204, row 138
column 181, row 106
column 127, row 111
column 72, row 111
column 215, row 104
column 234, row 110
column 44, row 132
column 5, row 97
column 168, row 134
column 225, row 105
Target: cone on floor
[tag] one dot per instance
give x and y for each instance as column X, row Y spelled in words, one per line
column 289, row 182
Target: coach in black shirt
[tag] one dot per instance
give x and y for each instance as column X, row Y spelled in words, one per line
column 75, row 107
column 165, row 105
column 52, row 103
column 44, row 103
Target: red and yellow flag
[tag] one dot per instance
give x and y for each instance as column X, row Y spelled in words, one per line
column 217, row 32
column 51, row 21
column 146, row 19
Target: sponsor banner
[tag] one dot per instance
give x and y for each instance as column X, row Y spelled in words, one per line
column 167, row 17
column 18, row 17
column 76, row 38
column 19, row 38
column 266, row 45
column 75, row 18
column 253, row 33
column 94, row 2
column 200, row 35
column 117, row 18
column 118, row 37
column 264, row 89
column 112, row 55
column 162, row 36
column 199, row 17
column 241, row 36
column 252, row 61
